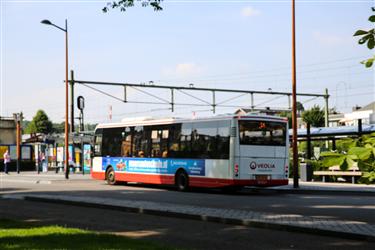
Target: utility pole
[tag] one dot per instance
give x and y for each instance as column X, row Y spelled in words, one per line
column 326, row 109
column 72, row 101
column 326, row 114
column 294, row 100
column 18, row 118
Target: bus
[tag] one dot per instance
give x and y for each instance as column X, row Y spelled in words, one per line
column 217, row 152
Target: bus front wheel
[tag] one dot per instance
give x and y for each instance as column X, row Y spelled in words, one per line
column 182, row 181
column 110, row 176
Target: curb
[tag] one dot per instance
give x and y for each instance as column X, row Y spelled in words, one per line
column 208, row 218
column 312, row 191
column 28, row 181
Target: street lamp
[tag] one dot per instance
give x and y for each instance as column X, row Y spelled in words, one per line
column 47, row 22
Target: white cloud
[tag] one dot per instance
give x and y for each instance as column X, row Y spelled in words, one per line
column 327, row 39
column 249, row 12
column 183, row 70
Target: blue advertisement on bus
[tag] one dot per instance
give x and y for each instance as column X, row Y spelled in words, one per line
column 155, row 165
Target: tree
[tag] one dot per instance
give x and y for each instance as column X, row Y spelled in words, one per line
column 25, row 124
column 58, row 128
column 39, row 124
column 369, row 38
column 300, row 108
column 288, row 114
column 314, row 116
column 124, row 4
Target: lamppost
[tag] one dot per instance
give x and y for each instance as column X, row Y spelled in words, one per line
column 47, row 22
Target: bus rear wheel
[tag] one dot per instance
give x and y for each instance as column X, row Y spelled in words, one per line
column 182, row 181
column 110, row 176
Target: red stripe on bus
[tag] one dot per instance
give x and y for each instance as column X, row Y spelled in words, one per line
column 145, row 178
column 98, row 175
column 193, row 181
column 214, row 182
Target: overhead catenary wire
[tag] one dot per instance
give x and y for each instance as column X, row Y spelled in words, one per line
column 281, row 79
column 268, row 70
column 231, row 99
column 147, row 93
column 199, row 99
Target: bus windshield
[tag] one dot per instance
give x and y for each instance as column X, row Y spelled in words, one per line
column 262, row 133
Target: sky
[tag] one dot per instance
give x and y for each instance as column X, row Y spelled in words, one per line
column 242, row 45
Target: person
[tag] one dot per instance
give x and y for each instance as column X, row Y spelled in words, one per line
column 44, row 163
column 6, row 161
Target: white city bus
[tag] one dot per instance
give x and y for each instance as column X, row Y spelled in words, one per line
column 235, row 151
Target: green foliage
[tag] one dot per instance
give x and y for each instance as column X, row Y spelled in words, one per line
column 367, row 37
column 368, row 178
column 300, row 108
column 353, row 152
column 39, row 124
column 58, row 128
column 288, row 114
column 334, row 159
column 25, row 124
column 344, row 145
column 316, row 165
column 302, row 147
column 123, row 5
column 360, row 153
column 314, row 116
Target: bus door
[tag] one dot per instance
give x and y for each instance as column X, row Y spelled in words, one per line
column 262, row 150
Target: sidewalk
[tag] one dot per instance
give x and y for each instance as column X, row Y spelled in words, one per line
column 321, row 187
column 42, row 177
column 288, row 222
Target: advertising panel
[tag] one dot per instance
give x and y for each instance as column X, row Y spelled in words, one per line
column 26, row 153
column 87, row 157
column 70, row 152
column 156, row 165
column 60, row 154
column 2, row 151
column 13, row 152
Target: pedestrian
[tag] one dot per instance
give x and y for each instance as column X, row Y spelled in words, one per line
column 6, row 161
column 44, row 163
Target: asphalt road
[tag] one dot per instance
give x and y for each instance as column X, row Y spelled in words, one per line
column 341, row 207
column 182, row 233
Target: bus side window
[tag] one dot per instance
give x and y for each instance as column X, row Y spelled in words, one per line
column 98, row 142
column 174, row 140
column 137, row 141
column 186, row 140
column 126, row 147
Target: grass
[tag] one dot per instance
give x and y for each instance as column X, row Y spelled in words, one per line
column 27, row 235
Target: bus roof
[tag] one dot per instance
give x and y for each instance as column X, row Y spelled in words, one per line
column 144, row 121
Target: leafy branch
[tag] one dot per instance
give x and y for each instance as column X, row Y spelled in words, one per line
column 369, row 38
column 125, row 4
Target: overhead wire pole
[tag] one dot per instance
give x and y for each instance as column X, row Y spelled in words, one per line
column 294, row 101
column 72, row 101
column 182, row 89
column 191, row 89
